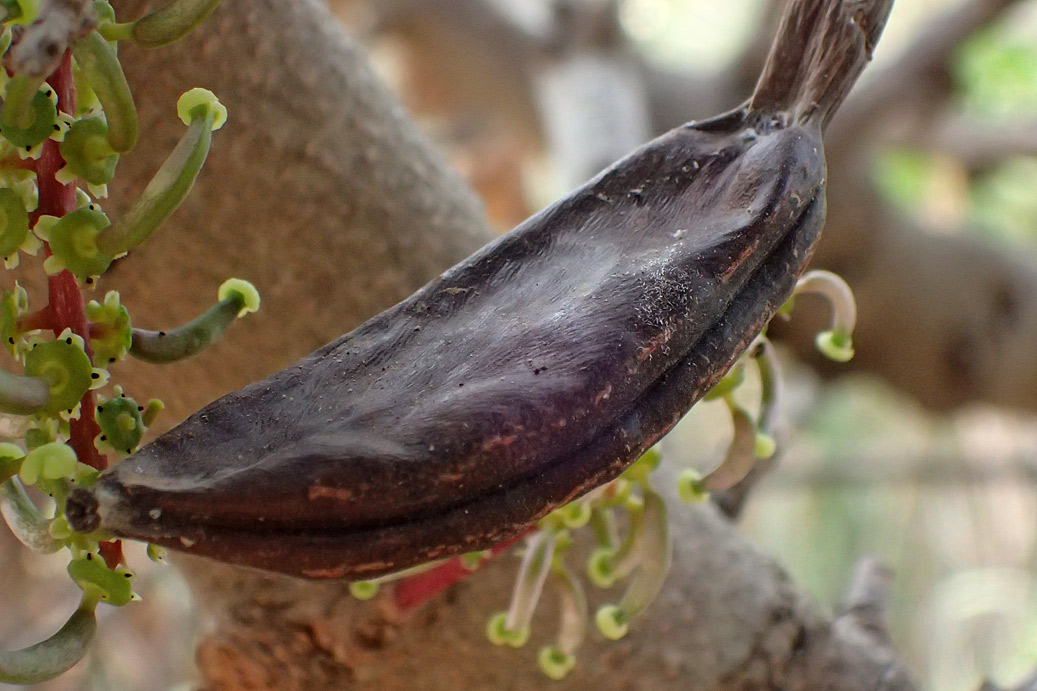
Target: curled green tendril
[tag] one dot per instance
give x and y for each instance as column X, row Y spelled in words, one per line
column 65, row 367
column 835, row 343
column 174, row 178
column 14, row 221
column 54, row 656
column 73, row 241
column 100, row 67
column 121, row 424
column 171, row 22
column 111, row 586
column 363, row 590
column 512, row 627
column 116, row 334
column 53, row 461
column 655, row 552
column 29, row 113
column 25, row 520
column 770, row 398
column 191, row 338
column 87, row 153
column 22, row 395
column 741, row 453
column 556, row 661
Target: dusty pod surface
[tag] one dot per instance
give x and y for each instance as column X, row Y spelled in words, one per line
column 528, row 374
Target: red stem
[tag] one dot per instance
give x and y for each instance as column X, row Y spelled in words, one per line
column 40, row 320
column 410, row 593
column 66, row 301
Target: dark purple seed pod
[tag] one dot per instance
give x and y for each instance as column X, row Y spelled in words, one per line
column 530, row 373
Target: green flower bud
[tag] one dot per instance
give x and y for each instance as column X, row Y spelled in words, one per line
column 28, row 125
column 612, row 622
column 116, row 335
column 73, row 240
column 65, row 367
column 112, row 586
column 156, row 553
column 87, row 153
column 14, row 221
column 52, row 461
column 765, row 445
column 171, row 22
column 11, row 457
column 121, row 424
column 174, row 179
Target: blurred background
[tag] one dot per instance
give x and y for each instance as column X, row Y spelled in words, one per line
column 923, row 450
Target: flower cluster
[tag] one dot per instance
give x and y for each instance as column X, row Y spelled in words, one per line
column 59, row 150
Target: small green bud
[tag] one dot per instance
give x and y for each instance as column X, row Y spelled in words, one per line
column 87, row 153
column 689, row 487
column 73, row 241
column 14, row 221
column 112, row 586
column 612, row 622
column 29, row 113
column 116, row 332
column 554, row 663
column 765, row 445
column 156, row 553
column 121, row 424
column 601, row 567
column 65, row 367
column 51, row 461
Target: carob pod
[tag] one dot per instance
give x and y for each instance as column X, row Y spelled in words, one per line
column 533, row 371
